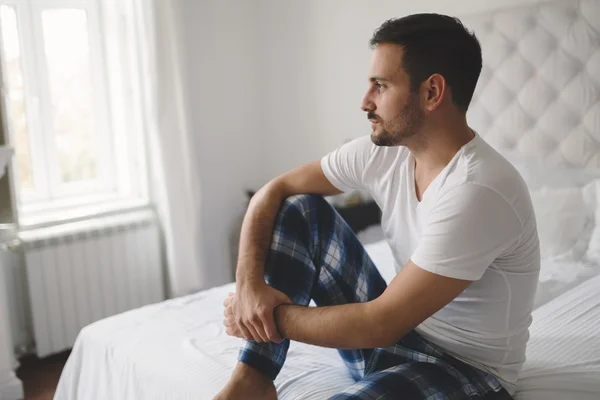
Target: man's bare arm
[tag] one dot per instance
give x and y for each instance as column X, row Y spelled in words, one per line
column 412, row 296
column 258, row 223
column 253, row 312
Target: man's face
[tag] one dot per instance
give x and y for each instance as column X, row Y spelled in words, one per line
column 394, row 111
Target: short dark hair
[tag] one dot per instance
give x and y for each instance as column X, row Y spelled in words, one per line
column 434, row 43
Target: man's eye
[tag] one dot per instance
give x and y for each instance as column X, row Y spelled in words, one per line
column 379, row 85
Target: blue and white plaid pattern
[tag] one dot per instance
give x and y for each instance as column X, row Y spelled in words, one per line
column 315, row 255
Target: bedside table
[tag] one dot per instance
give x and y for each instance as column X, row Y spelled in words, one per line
column 361, row 215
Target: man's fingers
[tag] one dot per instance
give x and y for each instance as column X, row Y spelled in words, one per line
column 271, row 329
column 232, row 330
column 243, row 329
column 236, row 332
column 254, row 334
column 245, row 332
column 260, row 330
column 228, row 299
column 228, row 320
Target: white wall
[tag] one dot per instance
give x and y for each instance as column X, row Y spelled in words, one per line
column 221, row 45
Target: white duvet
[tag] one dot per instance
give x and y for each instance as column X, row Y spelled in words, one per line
column 178, row 350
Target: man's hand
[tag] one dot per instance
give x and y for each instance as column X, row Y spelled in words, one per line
column 249, row 313
column 411, row 297
column 231, row 327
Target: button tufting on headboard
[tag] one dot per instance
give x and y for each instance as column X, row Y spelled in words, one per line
column 539, row 91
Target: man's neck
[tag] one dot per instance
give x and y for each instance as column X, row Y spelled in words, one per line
column 435, row 149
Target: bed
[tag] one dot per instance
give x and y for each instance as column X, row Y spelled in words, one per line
column 177, row 349
column 538, row 102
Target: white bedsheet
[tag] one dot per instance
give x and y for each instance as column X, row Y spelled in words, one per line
column 178, row 350
column 563, row 353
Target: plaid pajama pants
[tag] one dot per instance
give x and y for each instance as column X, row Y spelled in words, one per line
column 315, row 255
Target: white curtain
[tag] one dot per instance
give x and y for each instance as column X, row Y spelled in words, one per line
column 157, row 82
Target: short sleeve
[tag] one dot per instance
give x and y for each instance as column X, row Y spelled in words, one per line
column 465, row 231
column 345, row 166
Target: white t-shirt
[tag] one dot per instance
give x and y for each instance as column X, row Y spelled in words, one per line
column 475, row 222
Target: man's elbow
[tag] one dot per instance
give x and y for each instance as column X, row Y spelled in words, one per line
column 385, row 337
column 381, row 331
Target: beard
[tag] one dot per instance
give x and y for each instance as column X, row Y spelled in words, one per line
column 404, row 126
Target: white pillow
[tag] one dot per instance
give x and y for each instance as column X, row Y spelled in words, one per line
column 564, row 200
column 565, row 220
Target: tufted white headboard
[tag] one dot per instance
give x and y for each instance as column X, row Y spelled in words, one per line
column 539, row 90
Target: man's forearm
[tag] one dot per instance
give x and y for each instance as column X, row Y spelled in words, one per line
column 255, row 236
column 347, row 326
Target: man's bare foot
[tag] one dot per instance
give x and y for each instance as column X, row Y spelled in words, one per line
column 247, row 383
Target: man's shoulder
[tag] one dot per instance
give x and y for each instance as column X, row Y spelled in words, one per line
column 385, row 159
column 487, row 167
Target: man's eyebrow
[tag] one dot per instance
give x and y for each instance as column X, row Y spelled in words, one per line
column 378, row 78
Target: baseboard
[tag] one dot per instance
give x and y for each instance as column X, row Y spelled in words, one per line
column 11, row 388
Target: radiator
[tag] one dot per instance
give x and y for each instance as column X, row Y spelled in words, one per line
column 86, row 271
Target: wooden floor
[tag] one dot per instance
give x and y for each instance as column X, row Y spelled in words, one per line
column 40, row 377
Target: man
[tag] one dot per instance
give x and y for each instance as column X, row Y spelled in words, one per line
column 453, row 323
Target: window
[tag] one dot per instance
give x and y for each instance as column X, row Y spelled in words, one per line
column 69, row 91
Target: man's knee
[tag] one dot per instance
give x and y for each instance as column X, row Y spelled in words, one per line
column 306, row 203
column 301, row 213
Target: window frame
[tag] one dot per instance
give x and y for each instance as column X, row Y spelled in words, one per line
column 36, row 140
column 51, row 200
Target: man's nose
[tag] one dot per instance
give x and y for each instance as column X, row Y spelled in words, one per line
column 367, row 104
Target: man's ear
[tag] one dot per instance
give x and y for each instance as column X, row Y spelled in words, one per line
column 434, row 90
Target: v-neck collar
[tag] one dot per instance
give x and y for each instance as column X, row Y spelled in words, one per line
column 413, row 183
column 412, row 167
